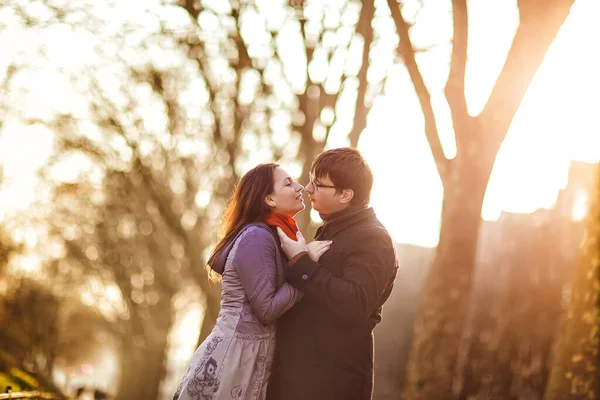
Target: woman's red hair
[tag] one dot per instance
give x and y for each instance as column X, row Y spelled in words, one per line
column 247, row 205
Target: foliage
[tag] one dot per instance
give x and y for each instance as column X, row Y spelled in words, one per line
column 152, row 138
column 7, row 380
column 576, row 368
column 30, row 311
column 8, row 248
column 26, row 380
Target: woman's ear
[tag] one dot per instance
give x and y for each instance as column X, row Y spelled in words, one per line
column 270, row 202
column 347, row 196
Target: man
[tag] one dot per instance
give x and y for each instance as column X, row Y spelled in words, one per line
column 325, row 342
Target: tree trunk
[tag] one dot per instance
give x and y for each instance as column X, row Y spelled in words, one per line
column 516, row 306
column 143, row 356
column 439, row 328
column 212, row 307
column 443, row 313
column 576, row 368
column 309, row 148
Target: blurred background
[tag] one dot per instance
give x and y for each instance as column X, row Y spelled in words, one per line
column 124, row 126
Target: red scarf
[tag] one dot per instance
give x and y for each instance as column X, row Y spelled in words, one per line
column 287, row 224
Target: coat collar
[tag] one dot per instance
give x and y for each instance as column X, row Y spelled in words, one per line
column 341, row 220
column 219, row 264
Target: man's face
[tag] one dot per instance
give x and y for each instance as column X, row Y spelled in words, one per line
column 321, row 192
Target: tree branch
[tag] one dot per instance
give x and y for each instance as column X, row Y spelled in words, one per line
column 407, row 52
column 365, row 28
column 455, row 86
column 192, row 7
column 539, row 24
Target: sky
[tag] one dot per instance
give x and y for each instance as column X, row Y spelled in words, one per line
column 557, row 122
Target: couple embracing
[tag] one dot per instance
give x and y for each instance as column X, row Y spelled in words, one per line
column 297, row 318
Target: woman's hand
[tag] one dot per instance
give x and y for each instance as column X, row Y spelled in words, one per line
column 317, row 248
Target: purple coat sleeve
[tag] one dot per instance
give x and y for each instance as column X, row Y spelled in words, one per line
column 256, row 264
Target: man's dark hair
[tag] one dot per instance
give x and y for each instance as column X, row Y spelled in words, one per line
column 347, row 169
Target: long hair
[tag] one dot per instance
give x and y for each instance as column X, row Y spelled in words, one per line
column 247, row 205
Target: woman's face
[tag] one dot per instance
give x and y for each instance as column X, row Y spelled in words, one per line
column 286, row 198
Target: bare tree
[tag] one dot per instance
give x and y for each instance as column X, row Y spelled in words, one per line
column 84, row 331
column 123, row 246
column 139, row 210
column 8, row 248
column 439, row 328
column 166, row 126
column 576, row 369
column 302, row 62
column 29, row 313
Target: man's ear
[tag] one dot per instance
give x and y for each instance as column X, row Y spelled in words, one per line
column 269, row 201
column 346, row 196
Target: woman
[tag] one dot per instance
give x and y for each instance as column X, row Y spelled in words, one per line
column 235, row 359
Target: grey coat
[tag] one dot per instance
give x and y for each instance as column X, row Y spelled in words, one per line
column 261, row 267
column 234, row 362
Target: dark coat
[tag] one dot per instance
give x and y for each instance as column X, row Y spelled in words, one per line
column 325, row 342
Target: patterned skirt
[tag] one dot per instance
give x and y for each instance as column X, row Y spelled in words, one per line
column 235, row 366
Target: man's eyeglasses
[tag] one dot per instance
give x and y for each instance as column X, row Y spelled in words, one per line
column 318, row 186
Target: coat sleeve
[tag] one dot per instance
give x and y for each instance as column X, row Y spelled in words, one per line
column 256, row 265
column 369, row 266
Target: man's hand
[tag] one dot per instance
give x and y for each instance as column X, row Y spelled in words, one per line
column 317, row 248
column 291, row 248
